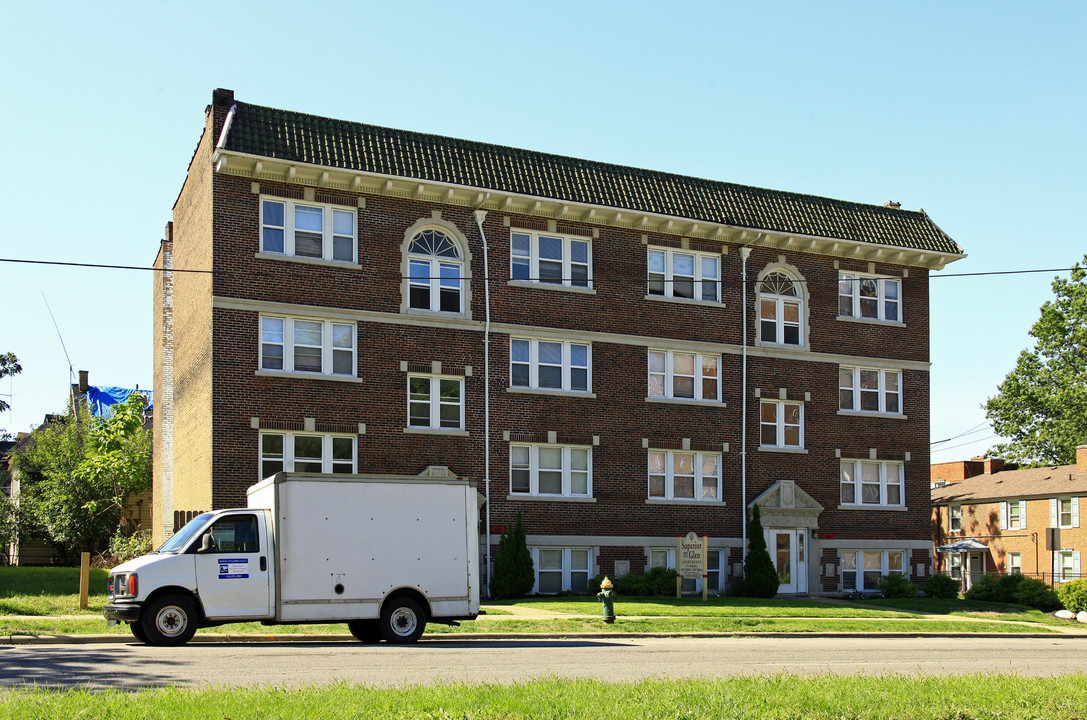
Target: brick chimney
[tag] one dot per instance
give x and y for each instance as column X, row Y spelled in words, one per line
column 1081, row 457
column 993, row 465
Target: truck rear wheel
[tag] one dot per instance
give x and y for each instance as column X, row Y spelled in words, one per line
column 169, row 620
column 402, row 621
column 367, row 631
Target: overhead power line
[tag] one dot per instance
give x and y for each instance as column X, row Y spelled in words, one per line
column 727, row 282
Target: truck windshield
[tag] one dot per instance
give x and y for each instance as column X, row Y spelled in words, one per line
column 181, row 538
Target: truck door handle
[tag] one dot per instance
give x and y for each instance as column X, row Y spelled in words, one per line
column 263, row 563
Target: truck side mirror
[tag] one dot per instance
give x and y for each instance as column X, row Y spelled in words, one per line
column 207, row 544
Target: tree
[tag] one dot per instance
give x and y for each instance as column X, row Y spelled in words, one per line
column 760, row 575
column 9, row 365
column 1042, row 404
column 513, row 574
column 75, row 475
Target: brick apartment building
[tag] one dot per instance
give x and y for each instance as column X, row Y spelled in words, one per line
column 583, row 340
column 1009, row 520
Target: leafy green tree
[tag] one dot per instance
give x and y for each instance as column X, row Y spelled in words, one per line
column 760, row 575
column 1042, row 404
column 9, row 365
column 76, row 474
column 513, row 573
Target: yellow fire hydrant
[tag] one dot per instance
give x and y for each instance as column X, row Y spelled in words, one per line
column 607, row 597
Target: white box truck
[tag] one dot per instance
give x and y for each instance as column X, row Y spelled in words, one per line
column 385, row 554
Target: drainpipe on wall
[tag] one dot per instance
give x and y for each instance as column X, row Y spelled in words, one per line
column 480, row 216
column 745, row 253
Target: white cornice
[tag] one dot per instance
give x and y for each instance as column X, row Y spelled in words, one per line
column 453, row 323
column 259, row 167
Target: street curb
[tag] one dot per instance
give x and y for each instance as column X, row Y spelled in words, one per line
column 456, row 637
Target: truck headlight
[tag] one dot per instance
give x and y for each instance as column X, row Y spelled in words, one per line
column 123, row 585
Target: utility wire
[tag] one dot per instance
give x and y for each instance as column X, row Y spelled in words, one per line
column 976, row 428
column 549, row 280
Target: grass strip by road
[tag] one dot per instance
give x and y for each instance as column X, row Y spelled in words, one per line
column 779, row 697
column 563, row 626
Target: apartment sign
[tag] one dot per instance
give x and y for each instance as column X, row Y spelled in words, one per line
column 691, row 556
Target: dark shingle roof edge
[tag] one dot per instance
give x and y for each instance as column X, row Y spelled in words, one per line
column 298, row 137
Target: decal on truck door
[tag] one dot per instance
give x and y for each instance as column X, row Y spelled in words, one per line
column 233, row 568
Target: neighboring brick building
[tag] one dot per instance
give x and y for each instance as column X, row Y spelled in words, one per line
column 595, row 383
column 1005, row 521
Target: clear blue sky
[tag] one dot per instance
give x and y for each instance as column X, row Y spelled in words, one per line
column 975, row 111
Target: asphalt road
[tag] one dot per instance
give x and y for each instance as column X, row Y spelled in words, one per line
column 131, row 666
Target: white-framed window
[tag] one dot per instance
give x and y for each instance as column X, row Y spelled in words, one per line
column 308, row 345
column 1066, row 565
column 551, row 259
column 1064, row 512
column 311, row 230
column 306, row 452
column 680, row 375
column 954, row 565
column 683, row 475
column 871, row 482
column 436, row 402
column 862, row 570
column 561, row 569
column 954, row 518
column 781, row 424
column 1015, row 562
column 870, row 390
column 1013, row 515
column 869, row 296
column 559, row 470
column 684, row 274
column 781, row 308
column 435, row 272
column 550, row 364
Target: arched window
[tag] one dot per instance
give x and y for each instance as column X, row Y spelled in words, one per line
column 435, row 273
column 781, row 305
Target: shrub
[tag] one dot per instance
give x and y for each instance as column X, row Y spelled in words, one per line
column 1036, row 594
column 895, row 585
column 942, row 586
column 513, row 574
column 1073, row 595
column 995, row 588
column 658, row 581
column 760, row 575
column 126, row 547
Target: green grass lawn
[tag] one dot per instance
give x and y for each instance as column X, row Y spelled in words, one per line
column 778, row 697
column 44, row 593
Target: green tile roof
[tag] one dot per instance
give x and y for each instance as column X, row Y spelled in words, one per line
column 298, row 137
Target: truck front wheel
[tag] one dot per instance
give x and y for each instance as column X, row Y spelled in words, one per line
column 402, row 621
column 169, row 620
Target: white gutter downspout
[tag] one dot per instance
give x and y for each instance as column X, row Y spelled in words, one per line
column 226, row 127
column 745, row 253
column 480, row 216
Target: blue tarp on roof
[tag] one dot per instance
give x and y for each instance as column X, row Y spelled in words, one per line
column 100, row 398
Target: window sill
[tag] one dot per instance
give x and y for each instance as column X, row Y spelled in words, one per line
column 786, row 450
column 871, row 321
column 545, row 391
column 433, row 313
column 680, row 501
column 889, row 508
column 685, row 301
column 551, row 286
column 307, row 376
column 550, row 498
column 686, row 401
column 870, row 414
column 781, row 346
column 435, row 431
column 308, row 260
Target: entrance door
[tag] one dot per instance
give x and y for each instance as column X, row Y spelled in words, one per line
column 786, row 548
column 977, row 569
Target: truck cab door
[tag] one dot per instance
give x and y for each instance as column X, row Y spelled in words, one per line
column 233, row 576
